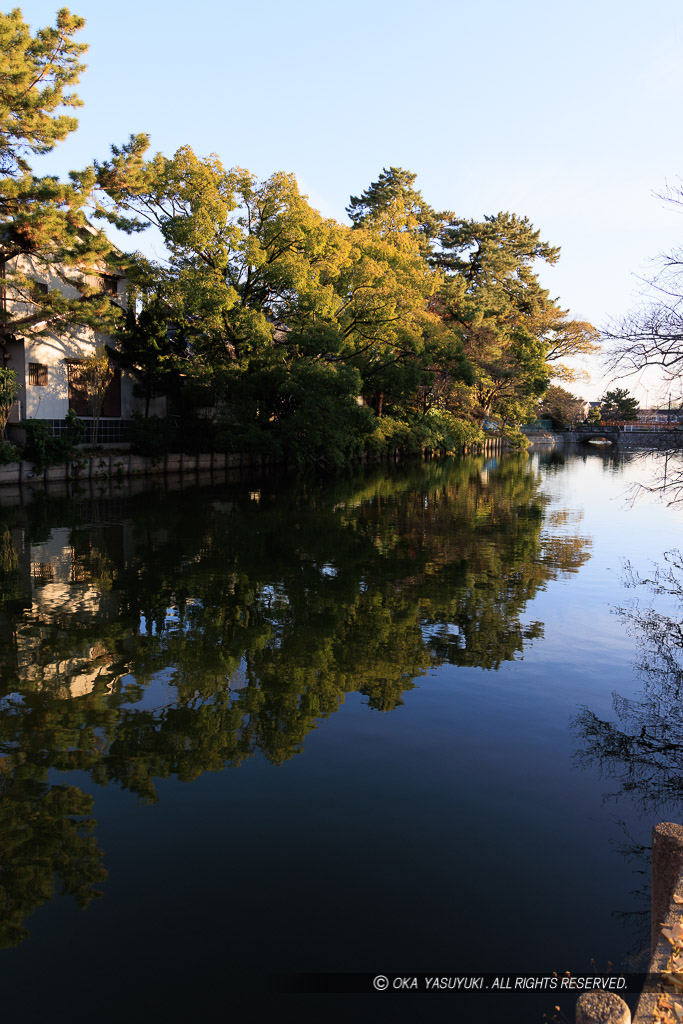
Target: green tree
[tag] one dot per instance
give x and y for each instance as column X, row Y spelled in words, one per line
column 258, row 282
column 618, row 404
column 384, row 287
column 511, row 329
column 95, row 374
column 8, row 396
column 146, row 350
column 35, row 71
column 243, row 255
column 419, row 375
column 50, row 257
column 561, row 406
column 392, row 204
column 489, row 296
column 307, row 414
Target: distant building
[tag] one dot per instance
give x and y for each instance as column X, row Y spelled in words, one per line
column 658, row 416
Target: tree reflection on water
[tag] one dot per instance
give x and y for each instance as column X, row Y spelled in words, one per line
column 165, row 635
column 643, row 749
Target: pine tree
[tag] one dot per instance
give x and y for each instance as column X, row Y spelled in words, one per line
column 618, row 404
column 511, row 328
column 51, row 258
column 393, row 204
column 34, row 73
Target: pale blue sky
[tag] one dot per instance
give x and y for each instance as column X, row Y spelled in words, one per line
column 569, row 114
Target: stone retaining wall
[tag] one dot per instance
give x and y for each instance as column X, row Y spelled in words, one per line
column 113, row 465
column 117, row 465
column 659, row 1002
column 544, row 439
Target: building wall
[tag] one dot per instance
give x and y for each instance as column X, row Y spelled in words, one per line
column 53, row 349
column 51, row 402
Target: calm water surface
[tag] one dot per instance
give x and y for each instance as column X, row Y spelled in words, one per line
column 384, row 723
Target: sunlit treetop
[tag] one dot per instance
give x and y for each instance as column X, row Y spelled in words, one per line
column 44, row 229
column 393, row 204
column 35, row 72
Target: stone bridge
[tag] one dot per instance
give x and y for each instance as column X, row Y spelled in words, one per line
column 627, row 436
column 597, row 433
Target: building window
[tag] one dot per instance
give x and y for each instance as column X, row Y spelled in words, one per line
column 37, row 375
column 79, row 399
column 110, row 284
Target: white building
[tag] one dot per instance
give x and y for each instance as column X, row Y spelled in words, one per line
column 47, row 363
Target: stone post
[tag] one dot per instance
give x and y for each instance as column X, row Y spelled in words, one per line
column 667, row 862
column 602, row 1008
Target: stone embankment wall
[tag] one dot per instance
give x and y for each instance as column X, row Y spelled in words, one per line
column 544, row 439
column 662, row 997
column 118, row 465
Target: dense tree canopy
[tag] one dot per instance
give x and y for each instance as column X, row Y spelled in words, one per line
column 561, row 406
column 261, row 305
column 492, row 297
column 414, row 311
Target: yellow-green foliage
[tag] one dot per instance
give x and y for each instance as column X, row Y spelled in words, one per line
column 34, row 73
column 515, row 439
column 442, row 320
column 438, row 431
